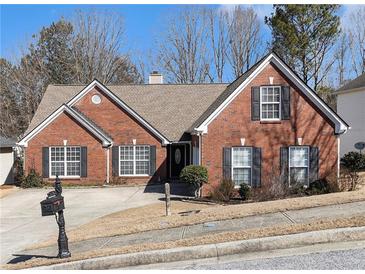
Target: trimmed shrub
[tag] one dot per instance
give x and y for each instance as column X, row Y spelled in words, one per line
column 33, row 179
column 353, row 162
column 224, row 191
column 196, row 176
column 245, row 191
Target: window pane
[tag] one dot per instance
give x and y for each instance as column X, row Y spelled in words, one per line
column 57, row 154
column 298, row 175
column 242, row 175
column 73, row 168
column 73, row 153
column 142, row 152
column 126, row 153
column 241, row 156
column 142, row 167
column 298, row 157
column 126, row 167
column 57, row 168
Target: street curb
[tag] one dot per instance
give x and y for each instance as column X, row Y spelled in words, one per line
column 214, row 250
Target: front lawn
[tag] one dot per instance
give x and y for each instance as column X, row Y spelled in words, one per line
column 152, row 217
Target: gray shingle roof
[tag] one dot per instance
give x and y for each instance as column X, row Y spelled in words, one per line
column 6, row 142
column 356, row 83
column 171, row 109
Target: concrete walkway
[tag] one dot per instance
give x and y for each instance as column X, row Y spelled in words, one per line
column 22, row 224
column 170, row 234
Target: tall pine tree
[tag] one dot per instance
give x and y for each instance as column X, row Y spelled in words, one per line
column 303, row 35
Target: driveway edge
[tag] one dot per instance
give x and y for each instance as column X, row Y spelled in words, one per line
column 214, row 250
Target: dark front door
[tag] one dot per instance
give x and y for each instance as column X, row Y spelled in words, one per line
column 177, row 159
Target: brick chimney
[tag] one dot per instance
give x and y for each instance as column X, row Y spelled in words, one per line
column 155, row 78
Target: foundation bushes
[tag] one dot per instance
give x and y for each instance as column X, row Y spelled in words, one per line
column 33, row 179
column 224, row 191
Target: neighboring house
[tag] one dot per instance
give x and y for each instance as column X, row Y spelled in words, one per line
column 6, row 160
column 265, row 122
column 351, row 106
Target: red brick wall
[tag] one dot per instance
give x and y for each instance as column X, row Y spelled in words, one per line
column 116, row 122
column 234, row 122
column 66, row 128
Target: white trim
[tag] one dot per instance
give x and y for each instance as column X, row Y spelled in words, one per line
column 308, row 150
column 273, row 103
column 345, row 91
column 338, row 155
column 94, row 83
column 134, row 161
column 340, row 126
column 247, row 167
column 64, row 108
column 107, row 164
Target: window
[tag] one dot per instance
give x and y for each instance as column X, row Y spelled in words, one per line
column 241, row 165
column 134, row 160
column 270, row 103
column 298, row 165
column 65, row 161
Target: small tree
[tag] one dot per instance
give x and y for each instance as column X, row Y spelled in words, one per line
column 196, row 176
column 353, row 162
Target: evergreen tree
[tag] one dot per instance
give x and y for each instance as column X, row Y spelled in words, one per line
column 302, row 35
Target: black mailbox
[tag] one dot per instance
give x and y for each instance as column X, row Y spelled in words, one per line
column 52, row 205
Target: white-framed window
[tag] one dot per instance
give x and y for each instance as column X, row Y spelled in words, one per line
column 242, row 165
column 65, row 161
column 270, row 103
column 134, row 160
column 298, row 165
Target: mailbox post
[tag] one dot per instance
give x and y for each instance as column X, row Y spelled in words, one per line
column 53, row 205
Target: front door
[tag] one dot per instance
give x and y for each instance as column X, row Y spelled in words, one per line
column 177, row 159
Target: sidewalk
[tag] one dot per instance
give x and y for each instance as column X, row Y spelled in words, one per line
column 185, row 232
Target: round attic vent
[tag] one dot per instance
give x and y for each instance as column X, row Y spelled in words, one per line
column 96, row 99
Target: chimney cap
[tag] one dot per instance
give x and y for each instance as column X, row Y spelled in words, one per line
column 155, row 72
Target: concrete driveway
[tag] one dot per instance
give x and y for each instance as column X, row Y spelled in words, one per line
column 22, row 224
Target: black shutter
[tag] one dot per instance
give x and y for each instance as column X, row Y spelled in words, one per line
column 285, row 103
column 255, row 103
column 115, row 161
column 83, row 161
column 227, row 165
column 256, row 167
column 284, row 163
column 152, row 160
column 45, row 162
column 313, row 164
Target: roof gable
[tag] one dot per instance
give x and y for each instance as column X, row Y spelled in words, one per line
column 231, row 92
column 93, row 128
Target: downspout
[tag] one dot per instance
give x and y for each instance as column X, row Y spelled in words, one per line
column 200, row 148
column 107, row 165
column 338, row 156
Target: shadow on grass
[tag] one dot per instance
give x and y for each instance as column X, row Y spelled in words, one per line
column 26, row 257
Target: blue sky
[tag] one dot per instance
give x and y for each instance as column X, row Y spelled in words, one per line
column 19, row 22
column 143, row 23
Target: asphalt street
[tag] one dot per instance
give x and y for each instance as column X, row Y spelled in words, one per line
column 341, row 256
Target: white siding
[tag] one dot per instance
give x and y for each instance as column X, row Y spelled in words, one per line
column 6, row 165
column 351, row 107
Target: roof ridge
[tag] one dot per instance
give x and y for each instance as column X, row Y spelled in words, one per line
column 168, row 84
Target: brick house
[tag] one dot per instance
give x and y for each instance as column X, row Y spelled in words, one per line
column 265, row 123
